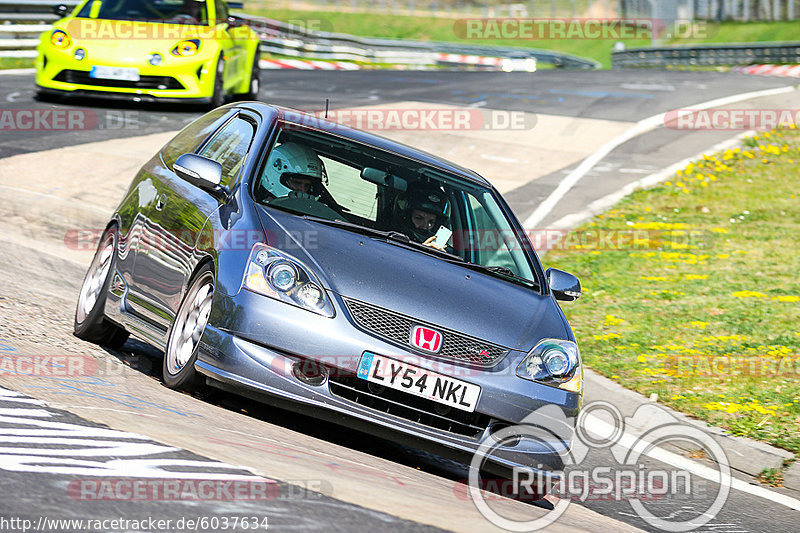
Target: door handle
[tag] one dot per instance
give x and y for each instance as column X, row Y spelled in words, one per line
column 160, row 202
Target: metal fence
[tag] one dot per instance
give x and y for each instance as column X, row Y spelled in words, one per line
column 710, row 55
column 283, row 39
column 719, row 10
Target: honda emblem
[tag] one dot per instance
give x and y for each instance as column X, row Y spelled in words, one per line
column 426, row 339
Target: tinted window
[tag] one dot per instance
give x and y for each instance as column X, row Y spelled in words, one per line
column 191, row 12
column 192, row 136
column 229, row 147
column 222, row 11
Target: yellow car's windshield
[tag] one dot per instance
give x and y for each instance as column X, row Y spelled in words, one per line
column 165, row 11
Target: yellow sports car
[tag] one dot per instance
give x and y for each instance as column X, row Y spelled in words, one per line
column 179, row 50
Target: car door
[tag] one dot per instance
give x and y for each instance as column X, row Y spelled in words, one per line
column 185, row 210
column 155, row 238
column 233, row 39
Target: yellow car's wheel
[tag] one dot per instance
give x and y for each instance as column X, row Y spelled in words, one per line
column 255, row 80
column 218, row 98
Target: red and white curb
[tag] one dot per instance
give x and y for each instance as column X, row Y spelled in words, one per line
column 301, row 64
column 786, row 71
column 470, row 60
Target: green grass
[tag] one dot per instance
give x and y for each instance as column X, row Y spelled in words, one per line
column 436, row 29
column 703, row 307
column 420, row 28
column 16, row 62
column 745, row 32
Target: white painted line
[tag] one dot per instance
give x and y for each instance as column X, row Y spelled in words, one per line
column 641, row 127
column 600, row 427
column 4, row 411
column 12, row 71
column 606, row 202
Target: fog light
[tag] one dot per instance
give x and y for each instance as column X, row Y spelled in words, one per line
column 155, row 59
column 310, row 372
column 80, row 54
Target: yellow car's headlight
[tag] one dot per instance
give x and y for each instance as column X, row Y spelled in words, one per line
column 60, row 39
column 186, row 48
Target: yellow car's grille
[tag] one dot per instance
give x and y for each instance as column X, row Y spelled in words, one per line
column 81, row 77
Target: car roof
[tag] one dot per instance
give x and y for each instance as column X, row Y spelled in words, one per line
column 270, row 111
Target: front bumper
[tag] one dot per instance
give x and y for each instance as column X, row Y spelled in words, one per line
column 253, row 353
column 176, row 78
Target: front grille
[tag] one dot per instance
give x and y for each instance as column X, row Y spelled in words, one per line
column 409, row 407
column 397, row 328
column 81, row 77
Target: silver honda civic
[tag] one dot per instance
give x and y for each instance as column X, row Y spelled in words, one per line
column 343, row 275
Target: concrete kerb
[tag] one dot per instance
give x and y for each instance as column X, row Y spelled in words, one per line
column 745, row 455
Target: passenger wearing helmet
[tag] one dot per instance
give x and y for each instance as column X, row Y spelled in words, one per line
column 294, row 177
column 293, row 169
column 425, row 211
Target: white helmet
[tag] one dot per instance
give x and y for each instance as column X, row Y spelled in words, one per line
column 292, row 160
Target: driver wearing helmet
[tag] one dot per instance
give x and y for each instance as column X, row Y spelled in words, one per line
column 293, row 170
column 424, row 213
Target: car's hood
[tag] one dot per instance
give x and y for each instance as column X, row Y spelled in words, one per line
column 416, row 284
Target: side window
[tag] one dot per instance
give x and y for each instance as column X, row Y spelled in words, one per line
column 488, row 239
column 229, row 147
column 192, row 136
column 222, row 11
column 359, row 197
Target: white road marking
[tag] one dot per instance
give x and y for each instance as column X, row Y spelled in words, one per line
column 606, row 202
column 641, row 127
column 17, row 71
column 600, row 427
column 52, row 447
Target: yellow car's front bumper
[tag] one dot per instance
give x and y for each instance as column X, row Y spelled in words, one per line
column 185, row 78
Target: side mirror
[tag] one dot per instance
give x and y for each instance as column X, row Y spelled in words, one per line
column 564, row 285
column 201, row 172
column 381, row 177
column 60, row 10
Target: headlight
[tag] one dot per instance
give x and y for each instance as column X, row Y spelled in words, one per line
column 275, row 274
column 60, row 39
column 554, row 362
column 186, row 48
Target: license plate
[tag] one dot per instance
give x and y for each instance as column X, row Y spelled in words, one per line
column 115, row 73
column 419, row 381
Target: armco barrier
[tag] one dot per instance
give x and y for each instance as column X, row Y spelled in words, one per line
column 708, row 55
column 279, row 38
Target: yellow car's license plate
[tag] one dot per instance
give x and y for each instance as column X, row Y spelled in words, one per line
column 419, row 381
column 115, row 73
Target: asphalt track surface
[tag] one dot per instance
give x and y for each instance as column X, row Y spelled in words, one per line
column 619, row 96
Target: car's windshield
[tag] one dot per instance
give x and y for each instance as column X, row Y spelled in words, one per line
column 309, row 172
column 167, row 11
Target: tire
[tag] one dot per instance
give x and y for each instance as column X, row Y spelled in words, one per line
column 90, row 322
column 255, row 80
column 218, row 97
column 184, row 335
